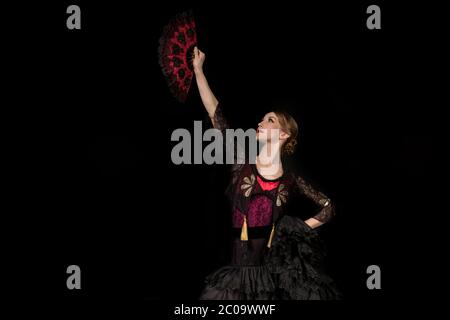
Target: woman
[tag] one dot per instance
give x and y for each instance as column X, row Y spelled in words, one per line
column 275, row 256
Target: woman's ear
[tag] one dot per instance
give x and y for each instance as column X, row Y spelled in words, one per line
column 284, row 135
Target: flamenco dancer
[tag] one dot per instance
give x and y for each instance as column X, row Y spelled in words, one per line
column 275, row 256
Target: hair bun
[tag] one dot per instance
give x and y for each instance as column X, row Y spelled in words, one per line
column 289, row 147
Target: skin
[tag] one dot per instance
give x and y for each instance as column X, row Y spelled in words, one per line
column 271, row 133
column 269, row 158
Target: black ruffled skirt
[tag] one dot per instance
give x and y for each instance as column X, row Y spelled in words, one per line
column 290, row 270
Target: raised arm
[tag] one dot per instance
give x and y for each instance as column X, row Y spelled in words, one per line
column 209, row 100
column 215, row 112
column 326, row 206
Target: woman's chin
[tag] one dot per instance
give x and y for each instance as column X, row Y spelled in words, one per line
column 260, row 136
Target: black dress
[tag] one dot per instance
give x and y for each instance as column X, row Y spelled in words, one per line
column 275, row 256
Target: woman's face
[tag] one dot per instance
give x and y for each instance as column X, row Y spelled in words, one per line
column 270, row 128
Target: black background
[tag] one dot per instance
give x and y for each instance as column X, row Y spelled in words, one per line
column 92, row 119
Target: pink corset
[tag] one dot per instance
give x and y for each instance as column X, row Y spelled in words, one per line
column 259, row 213
column 259, row 209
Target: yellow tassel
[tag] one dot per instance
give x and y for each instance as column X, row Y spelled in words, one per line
column 244, row 235
column 271, row 236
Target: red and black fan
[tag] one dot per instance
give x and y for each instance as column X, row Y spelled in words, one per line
column 176, row 47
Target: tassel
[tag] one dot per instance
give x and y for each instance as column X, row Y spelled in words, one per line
column 271, row 236
column 244, row 235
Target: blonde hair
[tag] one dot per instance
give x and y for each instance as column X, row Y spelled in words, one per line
column 289, row 125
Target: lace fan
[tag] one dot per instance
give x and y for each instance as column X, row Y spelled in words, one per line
column 175, row 51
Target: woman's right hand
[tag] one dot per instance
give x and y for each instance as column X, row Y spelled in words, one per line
column 198, row 59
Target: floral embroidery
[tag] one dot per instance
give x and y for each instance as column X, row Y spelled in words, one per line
column 248, row 185
column 282, row 195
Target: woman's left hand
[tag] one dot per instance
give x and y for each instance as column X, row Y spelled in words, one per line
column 198, row 60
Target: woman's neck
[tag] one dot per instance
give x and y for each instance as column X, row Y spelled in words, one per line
column 268, row 161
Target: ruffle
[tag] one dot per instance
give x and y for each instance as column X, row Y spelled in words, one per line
column 239, row 283
column 292, row 270
column 295, row 261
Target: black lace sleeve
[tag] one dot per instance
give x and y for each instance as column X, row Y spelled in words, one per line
column 327, row 208
column 221, row 123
